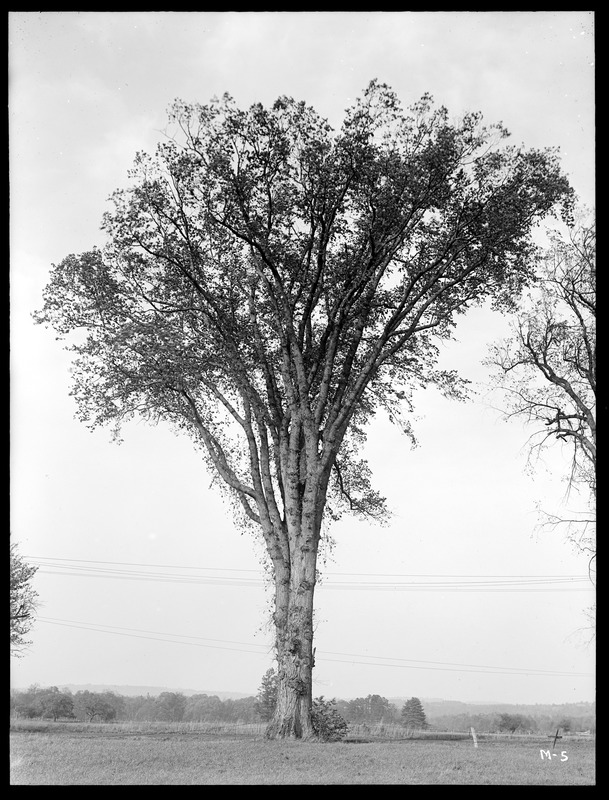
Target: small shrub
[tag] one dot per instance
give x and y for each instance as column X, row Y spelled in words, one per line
column 327, row 722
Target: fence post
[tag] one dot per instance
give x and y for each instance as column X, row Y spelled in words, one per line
column 556, row 736
column 474, row 737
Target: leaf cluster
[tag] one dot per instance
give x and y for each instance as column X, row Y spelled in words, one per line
column 23, row 601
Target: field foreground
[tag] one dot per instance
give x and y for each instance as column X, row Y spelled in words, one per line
column 105, row 755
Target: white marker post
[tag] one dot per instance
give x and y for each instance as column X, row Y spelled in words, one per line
column 473, row 732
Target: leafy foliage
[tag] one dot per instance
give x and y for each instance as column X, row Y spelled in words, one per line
column 413, row 715
column 56, row 704
column 203, row 708
column 171, row 706
column 266, row 699
column 23, row 601
column 514, row 722
column 104, row 706
column 370, row 710
column 37, row 702
column 328, row 724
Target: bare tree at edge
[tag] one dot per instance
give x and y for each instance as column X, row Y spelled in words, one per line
column 546, row 369
column 270, row 283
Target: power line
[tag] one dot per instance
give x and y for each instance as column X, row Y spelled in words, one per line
column 404, row 663
column 493, row 671
column 86, row 626
column 474, row 667
column 74, row 567
column 135, row 564
column 511, row 586
column 232, row 569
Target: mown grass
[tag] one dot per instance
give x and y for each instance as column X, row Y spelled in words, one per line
column 173, row 755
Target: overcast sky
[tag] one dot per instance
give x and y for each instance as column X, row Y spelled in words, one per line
column 144, row 578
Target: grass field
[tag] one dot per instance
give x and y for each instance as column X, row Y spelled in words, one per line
column 64, row 754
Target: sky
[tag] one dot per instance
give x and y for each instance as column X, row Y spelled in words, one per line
column 144, row 577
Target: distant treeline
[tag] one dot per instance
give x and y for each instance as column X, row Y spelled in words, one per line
column 373, row 710
column 51, row 703
column 514, row 723
column 376, row 710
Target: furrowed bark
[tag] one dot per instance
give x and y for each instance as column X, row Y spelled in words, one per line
column 294, row 591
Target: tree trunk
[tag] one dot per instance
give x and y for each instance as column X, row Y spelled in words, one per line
column 293, row 619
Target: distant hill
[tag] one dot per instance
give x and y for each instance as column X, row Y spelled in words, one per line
column 444, row 708
column 153, row 691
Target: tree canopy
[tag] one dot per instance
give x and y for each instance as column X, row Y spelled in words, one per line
column 263, row 269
